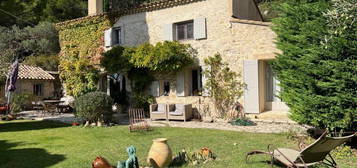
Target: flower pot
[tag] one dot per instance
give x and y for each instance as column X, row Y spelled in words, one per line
column 160, row 154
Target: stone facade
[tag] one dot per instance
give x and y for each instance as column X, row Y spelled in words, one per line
column 234, row 39
column 26, row 86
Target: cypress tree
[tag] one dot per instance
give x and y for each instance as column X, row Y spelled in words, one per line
column 317, row 68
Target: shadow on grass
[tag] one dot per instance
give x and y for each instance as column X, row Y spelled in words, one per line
column 26, row 158
column 14, row 126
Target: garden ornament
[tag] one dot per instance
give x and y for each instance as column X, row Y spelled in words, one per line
column 100, row 162
column 132, row 161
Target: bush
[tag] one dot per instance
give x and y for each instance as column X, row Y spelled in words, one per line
column 143, row 101
column 18, row 102
column 93, row 106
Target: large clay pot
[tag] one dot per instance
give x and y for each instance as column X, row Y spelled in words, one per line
column 160, row 154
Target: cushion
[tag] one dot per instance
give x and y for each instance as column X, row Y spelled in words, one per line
column 158, row 112
column 180, row 107
column 161, row 107
column 176, row 113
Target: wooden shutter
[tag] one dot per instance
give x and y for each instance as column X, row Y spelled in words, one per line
column 168, row 32
column 108, row 37
column 199, row 28
column 251, row 92
column 180, row 84
column 155, row 88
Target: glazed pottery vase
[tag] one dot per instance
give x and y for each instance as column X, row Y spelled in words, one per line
column 160, row 154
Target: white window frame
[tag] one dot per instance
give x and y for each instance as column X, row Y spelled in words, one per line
column 185, row 23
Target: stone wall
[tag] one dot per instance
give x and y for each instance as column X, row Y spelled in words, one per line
column 234, row 40
column 26, row 87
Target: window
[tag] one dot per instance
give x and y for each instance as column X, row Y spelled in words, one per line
column 117, row 36
column 38, row 89
column 184, row 30
column 166, row 88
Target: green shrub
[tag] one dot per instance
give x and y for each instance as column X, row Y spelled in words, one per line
column 93, row 106
column 18, row 102
column 143, row 101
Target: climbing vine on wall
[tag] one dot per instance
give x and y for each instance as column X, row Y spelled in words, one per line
column 81, row 44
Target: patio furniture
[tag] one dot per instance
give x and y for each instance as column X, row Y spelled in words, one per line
column 4, row 108
column 158, row 111
column 37, row 106
column 137, row 120
column 48, row 108
column 313, row 154
column 180, row 112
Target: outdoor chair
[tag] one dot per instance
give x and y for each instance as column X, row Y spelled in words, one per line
column 137, row 120
column 180, row 112
column 158, row 111
column 315, row 153
column 48, row 109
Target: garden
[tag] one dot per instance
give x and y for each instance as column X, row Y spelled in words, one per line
column 41, row 144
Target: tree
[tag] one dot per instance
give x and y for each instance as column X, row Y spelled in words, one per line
column 318, row 68
column 62, row 10
column 32, row 12
column 29, row 41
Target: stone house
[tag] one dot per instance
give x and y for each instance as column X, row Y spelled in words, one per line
column 34, row 81
column 233, row 28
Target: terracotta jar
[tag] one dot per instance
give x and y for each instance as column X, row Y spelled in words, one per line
column 160, row 154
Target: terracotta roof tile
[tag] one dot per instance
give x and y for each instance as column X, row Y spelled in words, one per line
column 31, row 72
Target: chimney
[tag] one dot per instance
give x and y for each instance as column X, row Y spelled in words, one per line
column 95, row 7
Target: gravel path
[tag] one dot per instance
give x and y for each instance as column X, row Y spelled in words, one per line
column 260, row 127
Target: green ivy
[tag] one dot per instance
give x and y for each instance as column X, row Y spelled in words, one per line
column 81, row 44
column 164, row 56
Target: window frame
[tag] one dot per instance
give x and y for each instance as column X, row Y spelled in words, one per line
column 38, row 91
column 117, row 38
column 185, row 24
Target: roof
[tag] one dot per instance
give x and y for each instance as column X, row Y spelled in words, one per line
column 32, row 72
column 145, row 7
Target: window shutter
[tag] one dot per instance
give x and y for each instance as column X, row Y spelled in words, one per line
column 251, row 92
column 155, row 88
column 180, row 84
column 199, row 28
column 108, row 37
column 168, row 32
column 122, row 35
column 205, row 92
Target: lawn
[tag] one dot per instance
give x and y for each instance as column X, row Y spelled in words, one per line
column 40, row 144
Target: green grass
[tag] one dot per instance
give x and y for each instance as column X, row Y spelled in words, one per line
column 40, row 144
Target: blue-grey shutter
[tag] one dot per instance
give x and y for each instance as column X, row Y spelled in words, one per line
column 199, row 27
column 155, row 88
column 251, row 92
column 108, row 37
column 180, row 84
column 122, row 34
column 168, row 32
